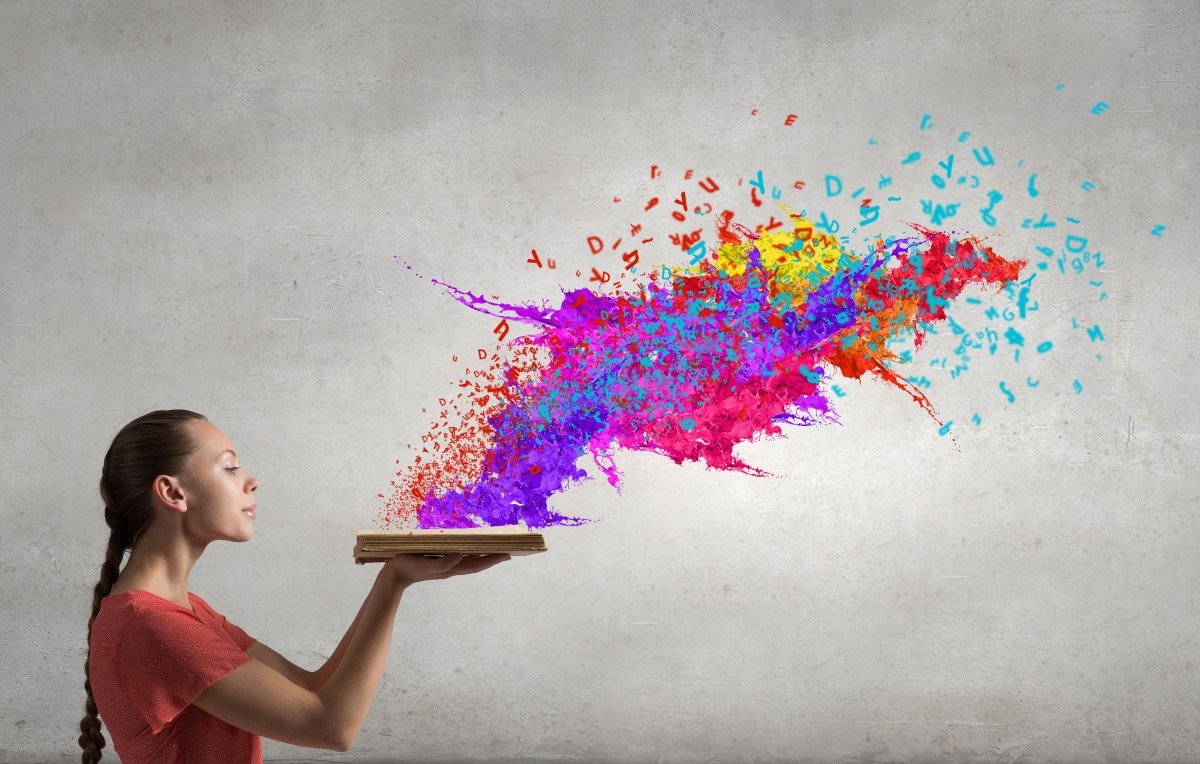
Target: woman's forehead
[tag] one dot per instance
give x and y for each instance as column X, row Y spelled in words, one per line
column 212, row 441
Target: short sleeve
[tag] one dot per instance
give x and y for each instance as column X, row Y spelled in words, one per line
column 165, row 658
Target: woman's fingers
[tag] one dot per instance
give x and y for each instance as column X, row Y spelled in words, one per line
column 411, row 568
column 447, row 561
column 474, row 564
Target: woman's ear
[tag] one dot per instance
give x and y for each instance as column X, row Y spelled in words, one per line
column 168, row 491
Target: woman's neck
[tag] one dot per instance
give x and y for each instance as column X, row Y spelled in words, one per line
column 160, row 566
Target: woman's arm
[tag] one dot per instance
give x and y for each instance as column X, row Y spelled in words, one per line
column 318, row 678
column 310, row 680
column 258, row 699
column 298, row 675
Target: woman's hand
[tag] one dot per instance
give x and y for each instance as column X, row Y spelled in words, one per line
column 408, row 569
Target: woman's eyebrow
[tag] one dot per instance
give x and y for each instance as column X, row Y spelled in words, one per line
column 228, row 451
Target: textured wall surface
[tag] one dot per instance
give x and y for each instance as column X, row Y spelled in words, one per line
column 199, row 207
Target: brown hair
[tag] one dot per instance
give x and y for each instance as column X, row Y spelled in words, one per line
column 157, row 443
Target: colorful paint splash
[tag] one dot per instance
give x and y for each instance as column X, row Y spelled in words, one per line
column 688, row 365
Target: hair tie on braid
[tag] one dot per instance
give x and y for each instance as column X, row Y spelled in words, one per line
column 111, row 518
column 118, row 525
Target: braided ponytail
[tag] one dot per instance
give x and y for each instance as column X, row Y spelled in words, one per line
column 90, row 738
column 157, row 443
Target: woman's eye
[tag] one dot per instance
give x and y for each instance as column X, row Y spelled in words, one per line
column 232, row 469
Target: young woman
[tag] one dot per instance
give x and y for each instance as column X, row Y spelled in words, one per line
column 173, row 679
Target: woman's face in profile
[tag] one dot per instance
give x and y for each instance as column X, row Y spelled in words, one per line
column 219, row 491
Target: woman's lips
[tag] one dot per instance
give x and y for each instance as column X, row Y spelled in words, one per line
column 250, row 511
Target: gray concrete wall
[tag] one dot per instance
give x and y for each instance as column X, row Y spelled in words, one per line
column 199, row 207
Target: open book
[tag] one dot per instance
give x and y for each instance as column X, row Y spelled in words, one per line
column 376, row 546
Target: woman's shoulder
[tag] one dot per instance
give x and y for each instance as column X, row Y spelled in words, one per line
column 139, row 615
column 118, row 611
column 144, row 599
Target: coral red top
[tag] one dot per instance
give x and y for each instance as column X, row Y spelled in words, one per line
column 150, row 658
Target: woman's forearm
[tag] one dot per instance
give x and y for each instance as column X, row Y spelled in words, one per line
column 321, row 675
column 357, row 666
